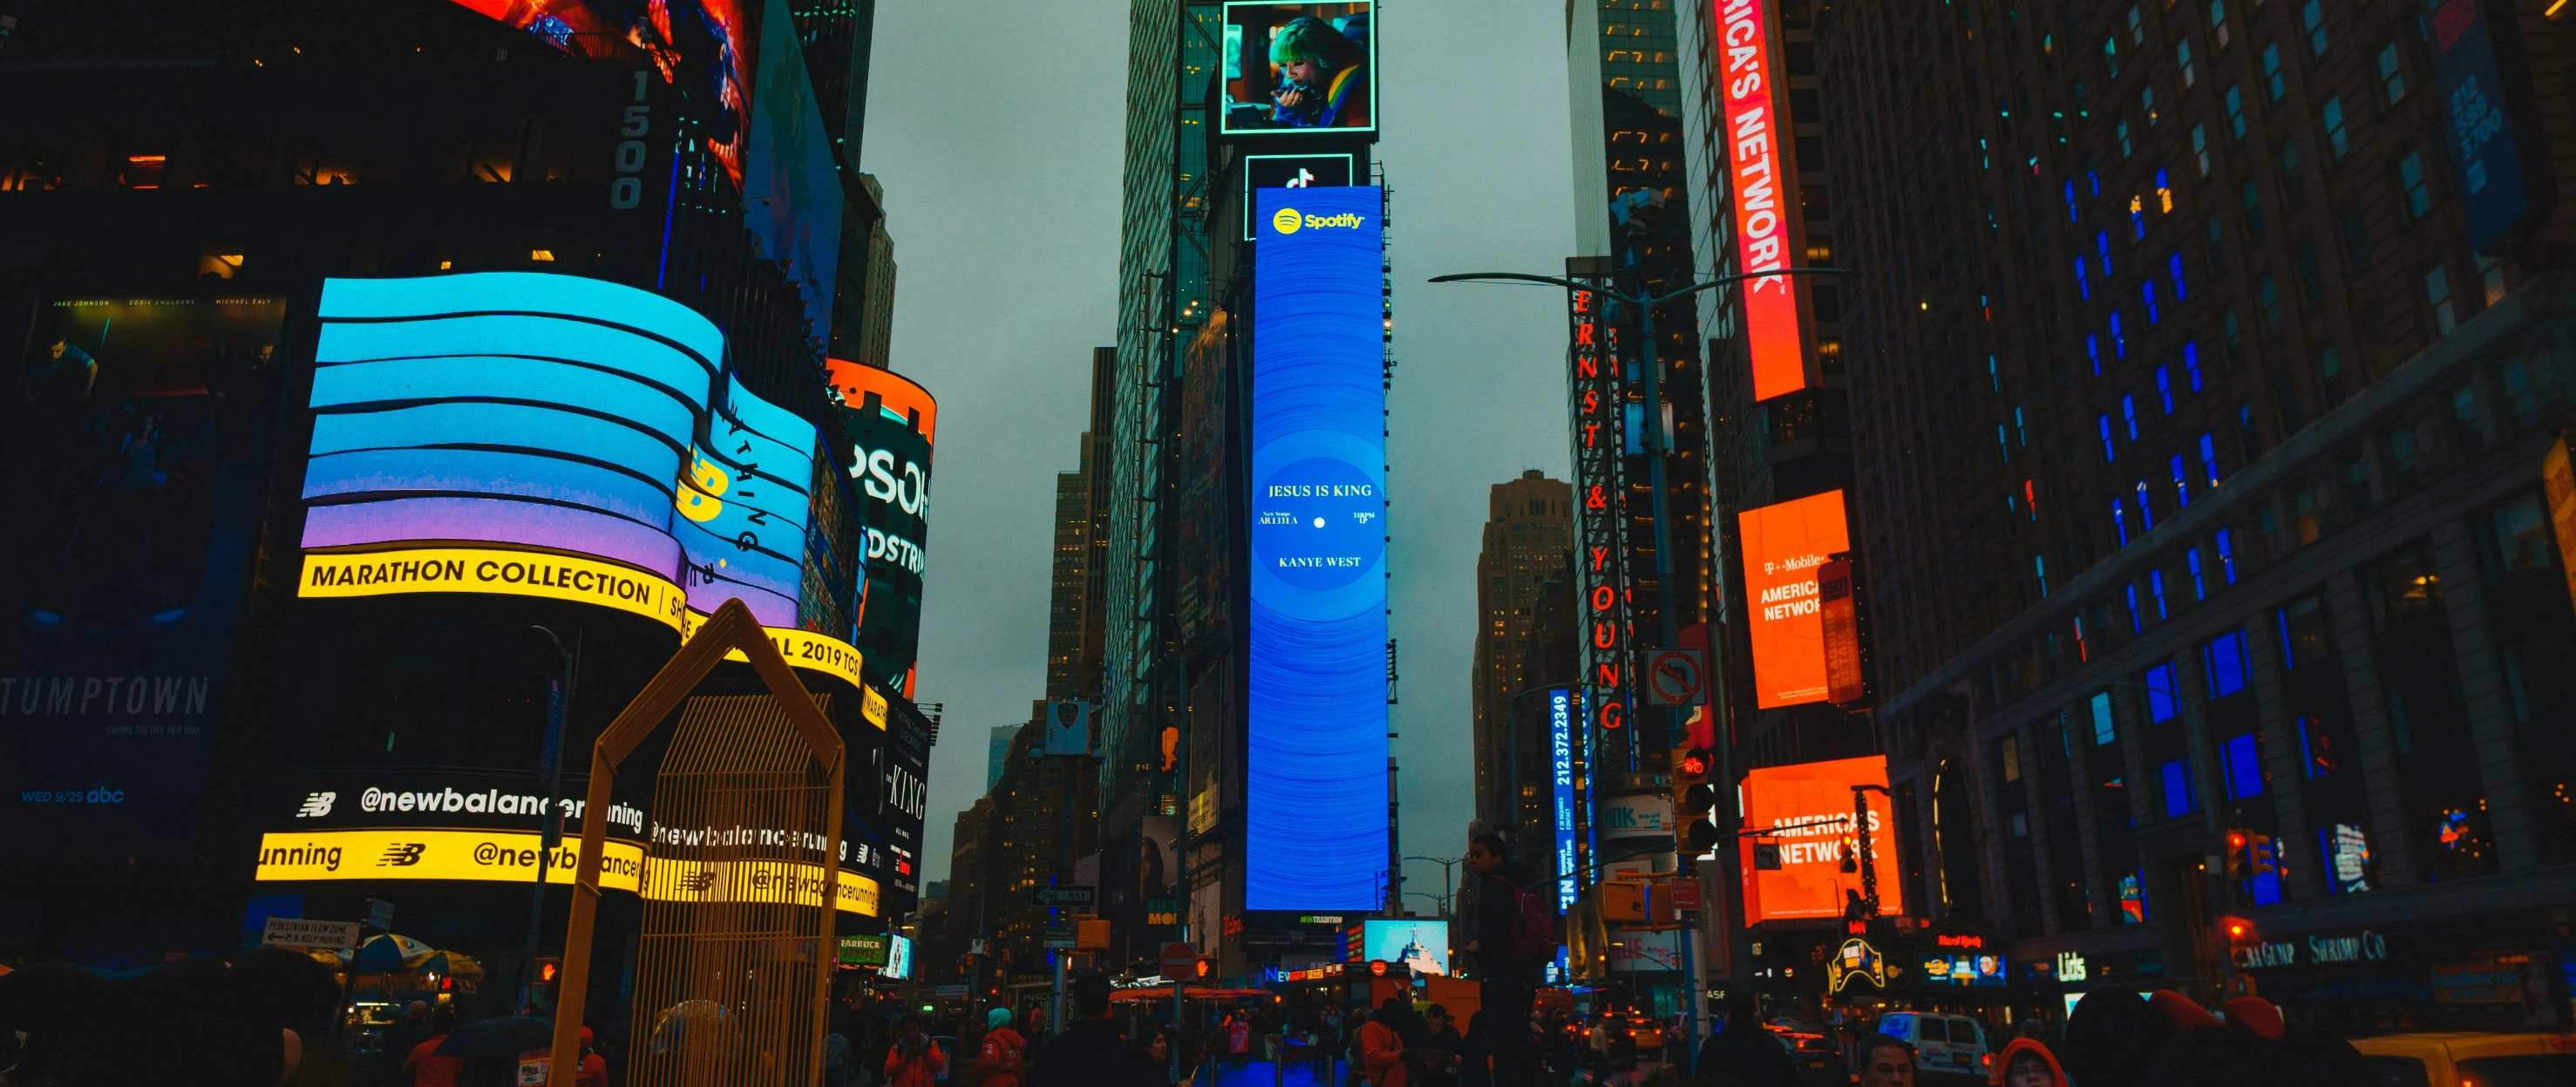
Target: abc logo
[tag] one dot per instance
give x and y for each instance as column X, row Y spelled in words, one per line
column 1287, row 220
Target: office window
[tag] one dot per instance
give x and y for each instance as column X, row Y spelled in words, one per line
column 2336, row 137
column 2102, row 250
column 2176, row 777
column 2240, row 760
column 2146, row 514
column 2356, row 240
column 2147, row 298
column 2070, row 200
column 2410, row 180
column 2272, row 79
column 2226, row 555
column 2083, row 290
column 2105, row 731
column 2200, row 148
column 2120, row 522
column 2191, row 363
column 2218, row 24
column 2164, row 388
column 2217, row 246
column 2120, row 131
column 2330, row 376
column 2181, row 482
column 2226, row 664
column 2137, row 29
column 2156, row 586
column 2119, row 343
column 2253, row 201
column 2182, row 60
column 2129, row 414
column 2164, row 694
column 2147, row 104
column 2293, row 186
column 2437, row 294
column 2093, row 351
column 2039, row 567
column 2312, row 277
column 2137, row 218
column 2390, row 78
column 2235, row 112
column 2137, row 625
column 2313, row 17
column 2209, row 463
column 2270, row 295
column 2110, row 55
column 2173, row 269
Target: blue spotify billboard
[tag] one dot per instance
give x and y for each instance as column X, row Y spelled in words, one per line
column 1315, row 797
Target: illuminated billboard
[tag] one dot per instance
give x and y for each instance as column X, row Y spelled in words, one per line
column 1419, row 943
column 1315, row 799
column 542, row 435
column 1300, row 69
column 891, row 425
column 700, row 46
column 791, row 186
column 1784, row 544
column 1564, row 716
column 135, row 474
column 1807, row 809
column 1765, row 190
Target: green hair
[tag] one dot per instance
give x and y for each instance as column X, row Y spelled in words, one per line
column 1306, row 38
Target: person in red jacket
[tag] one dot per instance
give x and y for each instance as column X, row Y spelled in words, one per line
column 594, row 1068
column 914, row 1060
column 1382, row 1044
column 1005, row 1052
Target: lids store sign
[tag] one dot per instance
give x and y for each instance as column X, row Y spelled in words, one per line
column 2313, row 951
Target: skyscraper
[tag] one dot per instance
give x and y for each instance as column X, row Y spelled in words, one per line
column 1529, row 535
column 2201, row 416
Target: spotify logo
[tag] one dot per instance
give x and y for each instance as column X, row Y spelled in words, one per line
column 1287, row 220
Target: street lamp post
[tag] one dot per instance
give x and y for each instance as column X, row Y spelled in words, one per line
column 1446, row 867
column 1645, row 301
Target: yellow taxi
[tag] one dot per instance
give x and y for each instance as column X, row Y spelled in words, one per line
column 2470, row 1060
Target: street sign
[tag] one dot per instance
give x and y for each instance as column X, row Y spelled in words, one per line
column 952, row 992
column 1676, row 677
column 380, row 914
column 292, row 932
column 1179, row 960
column 1064, row 944
column 1685, row 894
column 1064, row 896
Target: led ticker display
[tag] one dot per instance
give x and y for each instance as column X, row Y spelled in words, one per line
column 1296, row 69
column 1784, row 545
column 891, row 425
column 463, row 423
column 507, row 856
column 1765, row 185
column 1315, row 801
column 1809, row 808
column 1564, row 716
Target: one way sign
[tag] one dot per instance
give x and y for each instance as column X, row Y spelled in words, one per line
column 1064, row 896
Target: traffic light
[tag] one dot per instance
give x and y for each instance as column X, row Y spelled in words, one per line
column 1623, row 901
column 549, row 971
column 2237, row 930
column 1694, row 798
column 2240, row 862
column 1090, row 934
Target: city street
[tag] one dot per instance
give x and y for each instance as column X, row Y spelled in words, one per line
column 1670, row 543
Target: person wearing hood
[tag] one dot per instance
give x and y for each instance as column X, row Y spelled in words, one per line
column 1004, row 1054
column 1382, row 1044
column 1091, row 1052
column 2028, row 1063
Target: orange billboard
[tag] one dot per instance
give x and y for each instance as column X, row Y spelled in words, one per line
column 1784, row 543
column 1807, row 812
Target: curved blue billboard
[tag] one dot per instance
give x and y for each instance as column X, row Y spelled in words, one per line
column 1315, row 797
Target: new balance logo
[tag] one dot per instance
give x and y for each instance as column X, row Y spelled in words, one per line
column 316, row 805
column 402, row 854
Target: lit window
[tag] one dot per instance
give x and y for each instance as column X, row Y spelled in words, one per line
column 2437, row 293
column 2093, row 351
column 2410, row 177
column 2147, row 104
column 2164, row 388
column 2083, row 290
column 2191, row 364
column 2242, row 763
column 2336, row 137
column 2119, row 343
column 2111, row 55
column 2226, row 555
column 2390, row 78
column 2129, row 414
column 2176, row 778
column 2218, row 23
column 2313, row 17
column 2070, row 200
column 2235, row 113
column 2039, row 567
column 2105, row 731
column 2173, row 266
column 2191, row 562
column 2137, row 29
column 2209, row 468
column 2109, row 454
column 2272, row 80
column 2182, row 59
column 2137, row 625
column 2146, row 513
column 2120, row 521
column 2200, row 148
column 2181, row 480
column 2120, row 131
column 2147, row 294
column 2102, row 248
column 2164, row 693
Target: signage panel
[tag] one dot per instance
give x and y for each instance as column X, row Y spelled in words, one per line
column 1317, row 656
column 2473, row 51
column 891, row 425
column 1564, row 709
column 1810, row 807
column 1783, row 546
column 1765, row 190
column 134, row 477
column 1299, row 70
column 1421, row 944
column 290, row 932
column 1291, row 172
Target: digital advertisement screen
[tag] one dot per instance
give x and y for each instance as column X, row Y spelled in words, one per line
column 1292, row 172
column 1300, row 68
column 1810, row 807
column 1784, row 544
column 1765, row 191
column 1564, row 714
column 1963, row 969
column 700, row 46
column 1420, row 943
column 898, row 963
column 792, row 186
column 2482, row 117
column 552, row 436
column 133, row 462
column 1315, row 786
column 892, row 425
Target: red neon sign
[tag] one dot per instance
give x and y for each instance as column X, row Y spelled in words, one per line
column 1764, row 185
column 1960, row 941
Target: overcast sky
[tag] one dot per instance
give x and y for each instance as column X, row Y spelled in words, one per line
column 998, row 138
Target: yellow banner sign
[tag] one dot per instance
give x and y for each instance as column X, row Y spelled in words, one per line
column 780, row 882
column 504, row 856
column 510, row 856
column 557, row 577
column 492, row 570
